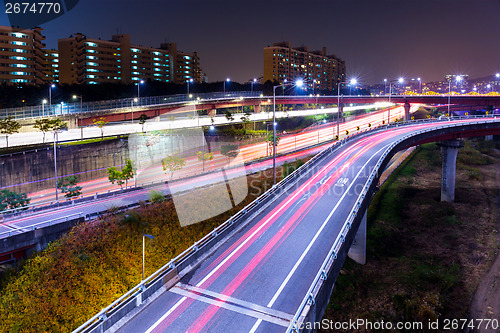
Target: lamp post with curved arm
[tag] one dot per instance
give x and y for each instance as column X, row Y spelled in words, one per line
column 458, row 78
column 400, row 80
column 352, row 81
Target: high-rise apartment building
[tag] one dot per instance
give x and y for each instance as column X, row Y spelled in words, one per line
column 21, row 55
column 86, row 60
column 316, row 68
column 51, row 66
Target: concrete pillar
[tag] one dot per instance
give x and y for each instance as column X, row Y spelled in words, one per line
column 357, row 251
column 449, row 150
column 256, row 108
column 407, row 111
column 212, row 112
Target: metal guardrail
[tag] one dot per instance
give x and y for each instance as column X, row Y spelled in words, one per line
column 192, row 253
column 35, row 226
column 339, row 241
column 77, row 107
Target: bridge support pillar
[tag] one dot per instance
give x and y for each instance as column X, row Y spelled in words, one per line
column 407, row 111
column 256, row 108
column 212, row 112
column 449, row 150
column 357, row 252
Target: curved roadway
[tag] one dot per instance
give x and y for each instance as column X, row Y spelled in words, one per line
column 257, row 279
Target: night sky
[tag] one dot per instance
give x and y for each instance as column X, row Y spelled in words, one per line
column 377, row 38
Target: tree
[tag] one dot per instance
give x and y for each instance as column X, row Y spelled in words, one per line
column 229, row 115
column 270, row 140
column 142, row 120
column 48, row 125
column 9, row 126
column 173, row 163
column 204, row 157
column 11, row 200
column 121, row 176
column 58, row 125
column 68, row 186
column 230, row 150
column 100, row 123
column 43, row 125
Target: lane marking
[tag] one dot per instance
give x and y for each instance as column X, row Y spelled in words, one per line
column 256, row 231
column 234, row 304
column 290, row 274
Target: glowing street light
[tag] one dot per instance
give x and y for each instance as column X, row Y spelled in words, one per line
column 50, row 96
column 188, row 82
column 132, row 107
column 81, row 111
column 44, row 101
column 138, row 91
column 458, row 78
column 299, row 83
column 400, row 80
column 352, row 81
column 252, row 83
column 224, row 82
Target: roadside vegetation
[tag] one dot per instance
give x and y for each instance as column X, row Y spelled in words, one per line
column 424, row 257
column 96, row 262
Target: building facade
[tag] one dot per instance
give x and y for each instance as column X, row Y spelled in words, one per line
column 86, row 60
column 21, row 55
column 51, row 66
column 316, row 68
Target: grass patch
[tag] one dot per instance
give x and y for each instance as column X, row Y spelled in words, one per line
column 423, row 255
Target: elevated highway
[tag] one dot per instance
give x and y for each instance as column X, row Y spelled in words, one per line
column 271, row 268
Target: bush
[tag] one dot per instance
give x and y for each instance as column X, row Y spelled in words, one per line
column 156, row 196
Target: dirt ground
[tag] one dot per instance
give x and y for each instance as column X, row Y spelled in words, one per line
column 428, row 260
column 486, row 301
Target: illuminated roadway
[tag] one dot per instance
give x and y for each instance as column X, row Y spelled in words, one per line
column 288, row 144
column 249, row 152
column 256, row 280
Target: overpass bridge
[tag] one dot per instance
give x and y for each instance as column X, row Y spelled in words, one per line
column 83, row 114
column 272, row 266
column 265, row 103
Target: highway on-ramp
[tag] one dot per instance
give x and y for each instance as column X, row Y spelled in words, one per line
column 256, row 280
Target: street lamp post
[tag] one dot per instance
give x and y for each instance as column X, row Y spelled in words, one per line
column 385, row 86
column 144, row 250
column 419, row 85
column 43, row 106
column 400, row 80
column 81, row 111
column 252, row 83
column 50, row 96
column 298, row 83
column 458, row 78
column 132, row 107
column 188, row 82
column 353, row 81
column 224, row 83
column 138, row 91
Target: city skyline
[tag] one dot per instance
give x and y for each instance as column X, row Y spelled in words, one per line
column 383, row 39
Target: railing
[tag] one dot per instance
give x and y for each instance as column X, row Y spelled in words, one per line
column 194, row 252
column 330, row 259
column 125, row 103
column 35, row 226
